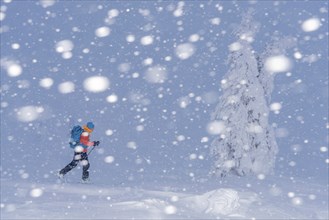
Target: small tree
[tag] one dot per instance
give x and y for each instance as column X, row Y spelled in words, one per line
column 246, row 144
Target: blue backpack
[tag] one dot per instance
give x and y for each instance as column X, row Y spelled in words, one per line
column 75, row 136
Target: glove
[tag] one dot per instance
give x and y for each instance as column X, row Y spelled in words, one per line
column 96, row 143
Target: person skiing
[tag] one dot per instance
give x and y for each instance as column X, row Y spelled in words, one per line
column 80, row 153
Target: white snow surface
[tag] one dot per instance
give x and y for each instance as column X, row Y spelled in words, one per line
column 176, row 200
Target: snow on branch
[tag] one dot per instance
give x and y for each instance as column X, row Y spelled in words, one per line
column 248, row 28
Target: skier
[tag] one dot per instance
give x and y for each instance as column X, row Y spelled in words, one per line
column 80, row 153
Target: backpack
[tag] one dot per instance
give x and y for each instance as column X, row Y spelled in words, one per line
column 75, row 136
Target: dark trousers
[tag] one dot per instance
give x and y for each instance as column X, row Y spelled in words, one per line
column 83, row 157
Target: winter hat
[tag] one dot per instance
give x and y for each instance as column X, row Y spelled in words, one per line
column 89, row 127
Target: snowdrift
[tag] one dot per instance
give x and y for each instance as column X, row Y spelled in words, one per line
column 24, row 200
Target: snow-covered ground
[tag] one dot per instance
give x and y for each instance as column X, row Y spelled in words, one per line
column 231, row 199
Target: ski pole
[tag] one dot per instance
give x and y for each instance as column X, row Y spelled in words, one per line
column 93, row 147
column 91, row 150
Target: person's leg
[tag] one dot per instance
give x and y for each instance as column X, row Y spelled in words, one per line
column 85, row 166
column 71, row 165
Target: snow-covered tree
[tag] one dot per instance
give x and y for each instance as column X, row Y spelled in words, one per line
column 245, row 143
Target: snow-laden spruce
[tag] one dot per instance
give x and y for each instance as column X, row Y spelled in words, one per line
column 245, row 143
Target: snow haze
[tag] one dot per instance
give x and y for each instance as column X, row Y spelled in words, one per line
column 175, row 89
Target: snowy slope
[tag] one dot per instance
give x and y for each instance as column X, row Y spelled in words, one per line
column 73, row 200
